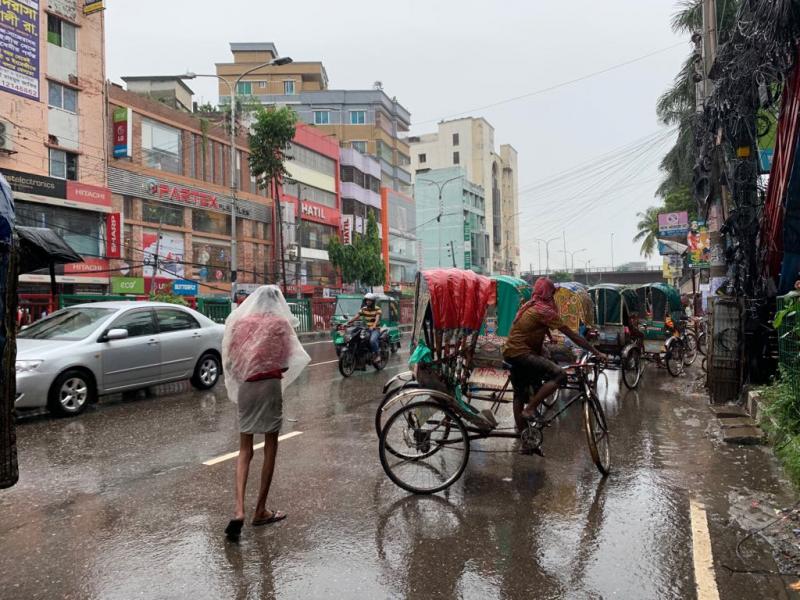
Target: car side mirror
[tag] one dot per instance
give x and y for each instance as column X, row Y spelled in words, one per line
column 115, row 334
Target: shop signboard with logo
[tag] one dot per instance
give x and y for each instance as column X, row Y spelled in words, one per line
column 127, row 285
column 319, row 213
column 122, row 119
column 674, row 224
column 19, row 47
column 113, row 235
column 37, row 185
column 183, row 287
column 347, row 230
column 699, row 242
column 92, row 6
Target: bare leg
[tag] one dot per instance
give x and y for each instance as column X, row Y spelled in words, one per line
column 267, row 469
column 548, row 388
column 242, row 471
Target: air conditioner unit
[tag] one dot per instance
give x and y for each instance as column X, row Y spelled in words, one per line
column 6, row 137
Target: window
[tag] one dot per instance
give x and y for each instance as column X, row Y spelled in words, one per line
column 244, row 88
column 311, row 159
column 316, row 235
column 63, row 165
column 170, row 319
column 211, row 222
column 262, row 85
column 137, row 323
column 154, row 211
column 61, row 96
column 456, row 158
column 455, row 139
column 322, row 117
column 81, row 229
column 359, row 146
column 60, row 33
column 423, row 158
column 288, row 88
column 193, row 157
column 358, row 117
column 210, row 151
column 161, row 147
column 212, row 260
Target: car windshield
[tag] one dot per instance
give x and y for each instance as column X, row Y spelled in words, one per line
column 347, row 307
column 70, row 324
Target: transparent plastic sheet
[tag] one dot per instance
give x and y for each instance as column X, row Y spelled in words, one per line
column 260, row 338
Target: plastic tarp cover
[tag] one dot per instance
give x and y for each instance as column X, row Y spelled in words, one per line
column 458, row 298
column 39, row 247
column 574, row 305
column 260, row 338
column 511, row 294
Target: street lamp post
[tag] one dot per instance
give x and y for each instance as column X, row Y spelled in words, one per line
column 440, row 187
column 547, row 251
column 572, row 254
column 297, row 227
column 612, row 251
column 586, row 265
column 285, row 60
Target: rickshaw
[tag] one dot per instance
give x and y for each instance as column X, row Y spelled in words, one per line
column 425, row 443
column 348, row 305
column 663, row 325
column 616, row 333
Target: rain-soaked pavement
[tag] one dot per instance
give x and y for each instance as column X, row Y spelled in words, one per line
column 118, row 504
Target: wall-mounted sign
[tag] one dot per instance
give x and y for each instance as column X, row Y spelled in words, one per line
column 127, row 285
column 123, row 132
column 467, row 246
column 674, row 224
column 113, row 235
column 699, row 241
column 88, row 194
column 170, row 250
column 183, row 287
column 360, row 225
column 319, row 213
column 93, row 6
column 181, row 194
column 347, row 229
column 89, row 266
column 35, row 184
column 19, row 47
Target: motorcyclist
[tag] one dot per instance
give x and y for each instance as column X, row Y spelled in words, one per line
column 370, row 315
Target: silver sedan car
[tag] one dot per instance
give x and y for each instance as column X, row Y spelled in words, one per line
column 69, row 358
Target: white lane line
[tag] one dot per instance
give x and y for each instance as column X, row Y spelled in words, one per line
column 230, row 455
column 314, row 343
column 701, row 553
column 327, row 362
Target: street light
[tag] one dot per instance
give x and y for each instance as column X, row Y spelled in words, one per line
column 440, row 187
column 298, row 225
column 612, row 251
column 572, row 254
column 547, row 251
column 275, row 62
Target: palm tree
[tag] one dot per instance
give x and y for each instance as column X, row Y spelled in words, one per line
column 647, row 231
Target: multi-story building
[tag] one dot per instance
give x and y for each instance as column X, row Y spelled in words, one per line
column 469, row 143
column 311, row 211
column 361, row 191
column 169, row 173
column 52, row 134
column 452, row 223
column 367, row 121
column 400, row 251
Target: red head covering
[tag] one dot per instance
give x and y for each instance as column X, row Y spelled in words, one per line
column 543, row 301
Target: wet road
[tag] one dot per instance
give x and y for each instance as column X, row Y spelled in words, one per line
column 118, row 504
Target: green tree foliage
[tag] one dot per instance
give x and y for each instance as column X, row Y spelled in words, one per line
column 270, row 136
column 362, row 261
column 647, row 230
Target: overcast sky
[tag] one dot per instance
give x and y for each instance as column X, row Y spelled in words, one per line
column 449, row 57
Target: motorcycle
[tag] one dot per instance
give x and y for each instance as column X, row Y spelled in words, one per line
column 356, row 352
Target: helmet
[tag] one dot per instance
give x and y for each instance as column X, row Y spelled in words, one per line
column 370, row 296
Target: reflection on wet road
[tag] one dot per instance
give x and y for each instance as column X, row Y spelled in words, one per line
column 118, row 504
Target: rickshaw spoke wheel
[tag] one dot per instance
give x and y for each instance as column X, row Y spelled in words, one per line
column 690, row 349
column 424, row 447
column 674, row 359
column 632, row 368
column 596, row 427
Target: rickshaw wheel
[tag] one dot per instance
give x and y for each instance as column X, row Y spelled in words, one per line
column 424, row 447
column 690, row 349
column 674, row 359
column 632, row 368
column 596, row 427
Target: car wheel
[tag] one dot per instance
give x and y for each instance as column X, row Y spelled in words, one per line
column 206, row 372
column 70, row 393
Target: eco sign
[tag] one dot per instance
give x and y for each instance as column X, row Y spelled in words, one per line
column 127, row 285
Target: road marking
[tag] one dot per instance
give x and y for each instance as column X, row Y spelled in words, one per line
column 701, row 553
column 230, row 455
column 314, row 343
column 327, row 362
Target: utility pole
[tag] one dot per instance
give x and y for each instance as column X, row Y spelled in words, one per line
column 155, row 258
column 566, row 264
column 280, row 234
column 612, row 251
column 453, row 254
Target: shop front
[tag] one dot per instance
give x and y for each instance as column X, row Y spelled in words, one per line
column 81, row 214
column 307, row 251
column 176, row 234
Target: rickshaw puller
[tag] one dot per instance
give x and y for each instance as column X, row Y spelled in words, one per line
column 370, row 315
column 523, row 351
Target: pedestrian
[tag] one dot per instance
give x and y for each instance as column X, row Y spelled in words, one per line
column 261, row 356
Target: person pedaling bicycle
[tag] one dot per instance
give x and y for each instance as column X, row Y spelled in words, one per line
column 370, row 315
column 524, row 351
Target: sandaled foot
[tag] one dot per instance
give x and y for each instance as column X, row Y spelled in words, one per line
column 234, row 529
column 268, row 517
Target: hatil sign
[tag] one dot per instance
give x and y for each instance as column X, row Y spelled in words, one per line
column 319, row 213
column 177, row 193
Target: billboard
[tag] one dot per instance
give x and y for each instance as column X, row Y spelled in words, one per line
column 123, row 132
column 19, row 48
column 699, row 242
column 113, row 235
column 170, row 254
column 674, row 224
column 347, row 230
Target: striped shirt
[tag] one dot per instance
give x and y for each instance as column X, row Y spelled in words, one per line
column 371, row 316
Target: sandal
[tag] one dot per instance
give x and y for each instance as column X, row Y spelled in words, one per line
column 274, row 518
column 234, row 529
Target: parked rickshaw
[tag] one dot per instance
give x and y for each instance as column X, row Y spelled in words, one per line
column 512, row 292
column 663, row 326
column 348, row 305
column 425, row 443
column 617, row 310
